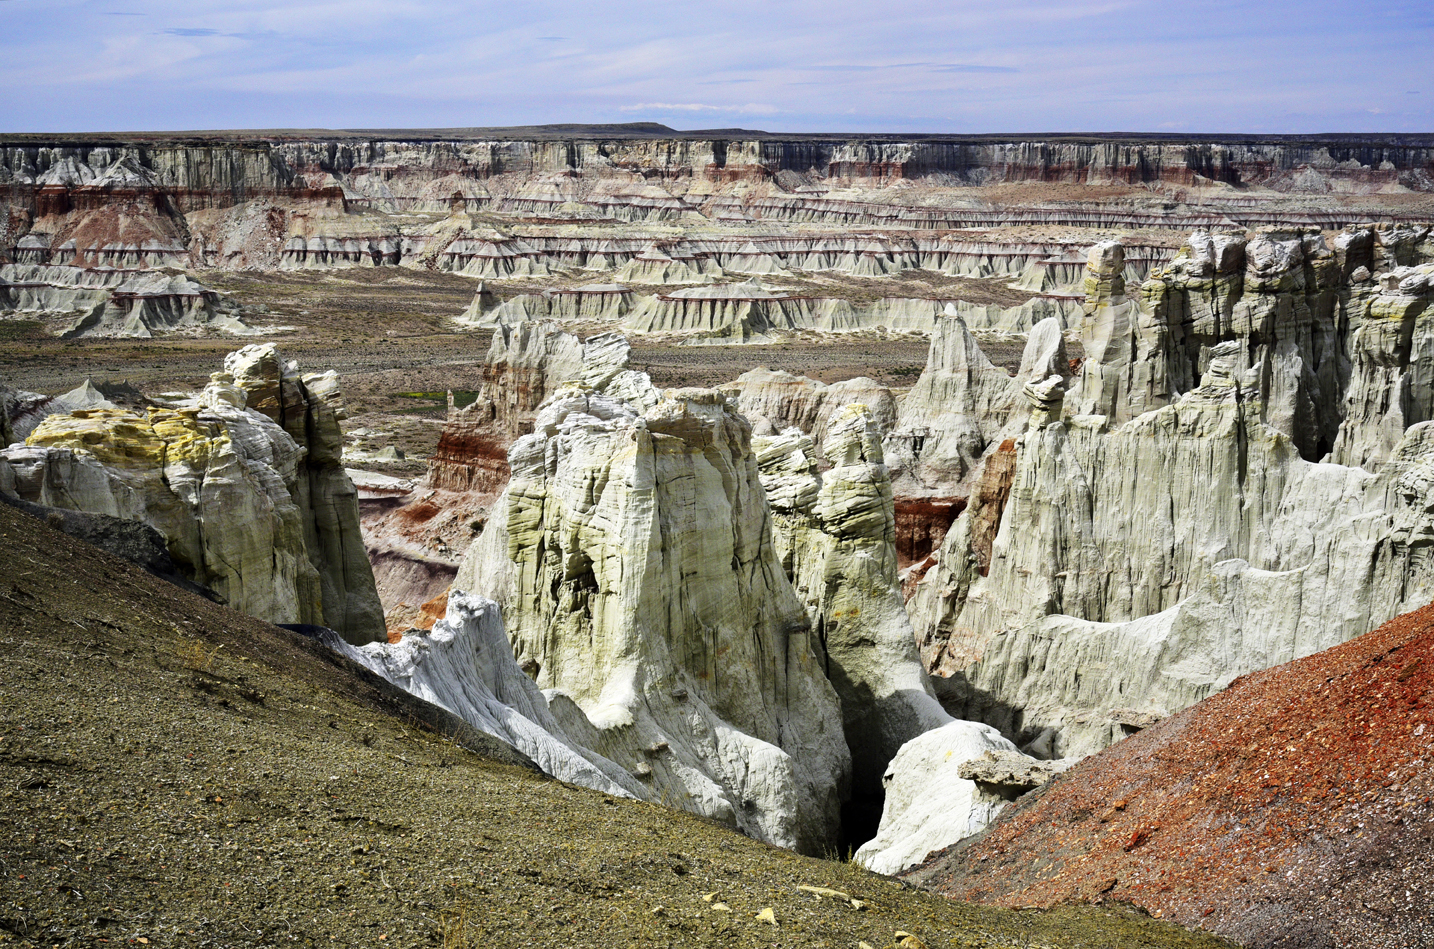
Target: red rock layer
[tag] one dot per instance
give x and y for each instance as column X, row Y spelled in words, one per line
column 921, row 526
column 470, row 457
column 988, row 501
column 1291, row 810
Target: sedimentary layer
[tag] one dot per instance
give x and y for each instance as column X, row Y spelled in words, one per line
column 1293, row 808
column 243, row 482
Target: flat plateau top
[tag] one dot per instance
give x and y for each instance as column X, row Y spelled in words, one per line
column 640, row 131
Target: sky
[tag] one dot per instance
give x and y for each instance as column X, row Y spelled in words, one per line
column 1281, row 66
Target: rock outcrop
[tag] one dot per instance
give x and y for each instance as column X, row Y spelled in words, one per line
column 416, row 541
column 735, row 311
column 26, row 410
column 266, row 519
column 929, row 804
column 1291, row 809
column 961, row 410
column 590, row 303
column 1331, row 351
column 464, row 664
column 1147, row 566
column 1391, row 352
column 633, row 559
column 672, row 265
column 836, row 535
column 309, row 408
column 776, row 401
column 110, row 302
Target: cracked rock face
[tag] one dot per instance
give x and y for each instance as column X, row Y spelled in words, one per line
column 776, row 401
column 309, row 408
column 1333, row 353
column 836, row 534
column 243, row 482
column 633, row 559
column 1146, row 567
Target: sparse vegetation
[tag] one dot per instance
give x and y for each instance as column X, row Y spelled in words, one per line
column 277, row 799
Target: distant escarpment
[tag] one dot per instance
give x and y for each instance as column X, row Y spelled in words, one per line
column 197, row 175
column 305, row 203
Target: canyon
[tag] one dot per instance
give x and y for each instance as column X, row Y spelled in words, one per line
column 862, row 495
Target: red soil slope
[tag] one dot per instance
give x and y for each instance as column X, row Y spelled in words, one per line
column 1291, row 810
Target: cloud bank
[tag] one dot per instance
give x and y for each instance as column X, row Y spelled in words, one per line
column 963, row 66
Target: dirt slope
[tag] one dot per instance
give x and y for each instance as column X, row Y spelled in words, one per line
column 1291, row 810
column 175, row 774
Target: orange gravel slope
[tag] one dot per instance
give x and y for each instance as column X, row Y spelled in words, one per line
column 1291, row 810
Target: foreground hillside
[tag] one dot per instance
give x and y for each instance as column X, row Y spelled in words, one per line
column 175, row 773
column 1291, row 810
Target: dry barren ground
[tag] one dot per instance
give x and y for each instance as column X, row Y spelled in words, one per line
column 173, row 773
column 387, row 333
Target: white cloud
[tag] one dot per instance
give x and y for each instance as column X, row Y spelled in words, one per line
column 1044, row 65
column 751, row 108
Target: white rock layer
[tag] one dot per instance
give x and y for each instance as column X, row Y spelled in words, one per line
column 633, row 558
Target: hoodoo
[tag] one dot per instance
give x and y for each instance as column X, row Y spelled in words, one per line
column 243, row 481
column 1111, row 541
column 633, row 559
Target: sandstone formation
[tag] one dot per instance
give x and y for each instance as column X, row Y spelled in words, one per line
column 1018, row 319
column 500, row 257
column 243, row 482
column 961, row 410
column 1291, row 809
column 736, row 311
column 309, row 408
column 929, row 804
column 674, row 265
column 590, row 303
column 836, row 536
column 1328, row 347
column 24, row 411
column 109, row 302
column 776, row 401
column 632, row 556
column 1121, row 577
column 464, row 664
column 416, row 539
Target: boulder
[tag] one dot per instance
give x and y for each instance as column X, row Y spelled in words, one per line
column 929, row 804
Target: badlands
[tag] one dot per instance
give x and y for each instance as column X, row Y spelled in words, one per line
column 974, row 510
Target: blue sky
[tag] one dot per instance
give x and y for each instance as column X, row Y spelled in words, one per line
column 964, row 67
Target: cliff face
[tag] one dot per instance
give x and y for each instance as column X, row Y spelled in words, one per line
column 836, row 532
column 633, row 558
column 301, row 204
column 1333, row 352
column 207, row 175
column 1146, row 566
column 243, row 482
